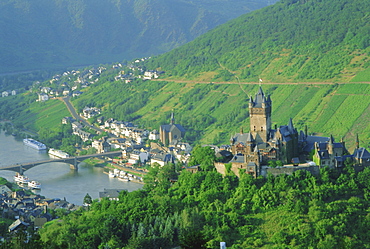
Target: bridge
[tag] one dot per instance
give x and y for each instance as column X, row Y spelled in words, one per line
column 72, row 161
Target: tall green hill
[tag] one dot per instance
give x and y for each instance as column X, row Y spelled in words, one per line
column 44, row 34
column 291, row 41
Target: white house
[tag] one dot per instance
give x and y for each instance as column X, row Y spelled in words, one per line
column 5, row 93
column 154, row 135
column 43, row 97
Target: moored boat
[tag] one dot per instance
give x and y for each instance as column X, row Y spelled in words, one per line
column 19, row 178
column 34, row 144
column 116, row 171
column 123, row 178
column 58, row 153
column 111, row 174
column 34, row 185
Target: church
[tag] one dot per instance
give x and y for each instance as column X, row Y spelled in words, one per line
column 171, row 134
column 261, row 144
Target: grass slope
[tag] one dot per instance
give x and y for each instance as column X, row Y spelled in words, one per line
column 43, row 114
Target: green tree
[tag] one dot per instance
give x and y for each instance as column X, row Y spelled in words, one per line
column 203, row 156
column 87, row 199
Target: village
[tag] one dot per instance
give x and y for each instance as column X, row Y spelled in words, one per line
column 256, row 151
column 262, row 151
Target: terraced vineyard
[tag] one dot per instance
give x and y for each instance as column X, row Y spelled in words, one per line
column 213, row 112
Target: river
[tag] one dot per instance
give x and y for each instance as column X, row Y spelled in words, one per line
column 57, row 179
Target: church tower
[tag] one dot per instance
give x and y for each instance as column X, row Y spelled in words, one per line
column 260, row 116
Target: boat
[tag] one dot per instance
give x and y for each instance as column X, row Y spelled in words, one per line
column 34, row 144
column 34, row 185
column 111, row 174
column 19, row 178
column 123, row 178
column 58, row 153
column 116, row 172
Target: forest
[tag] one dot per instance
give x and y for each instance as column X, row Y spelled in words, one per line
column 290, row 41
column 199, row 210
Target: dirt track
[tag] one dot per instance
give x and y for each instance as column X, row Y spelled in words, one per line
column 254, row 83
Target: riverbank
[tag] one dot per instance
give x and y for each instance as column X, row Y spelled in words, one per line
column 109, row 166
column 135, row 172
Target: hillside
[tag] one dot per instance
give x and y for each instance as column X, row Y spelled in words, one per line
column 213, row 112
column 291, row 41
column 44, row 34
column 210, row 112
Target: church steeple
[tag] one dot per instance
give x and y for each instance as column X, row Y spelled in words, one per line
column 172, row 122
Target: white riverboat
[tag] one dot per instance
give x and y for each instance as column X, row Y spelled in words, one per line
column 18, row 178
column 111, row 174
column 123, row 178
column 58, row 153
column 34, row 144
column 116, row 171
column 34, row 185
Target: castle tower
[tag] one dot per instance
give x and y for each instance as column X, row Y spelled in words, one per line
column 260, row 116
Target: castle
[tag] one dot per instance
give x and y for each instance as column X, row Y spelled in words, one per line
column 262, row 144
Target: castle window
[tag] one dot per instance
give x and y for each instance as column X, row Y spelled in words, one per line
column 254, row 128
column 261, row 128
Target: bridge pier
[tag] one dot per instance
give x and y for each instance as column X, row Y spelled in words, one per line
column 74, row 166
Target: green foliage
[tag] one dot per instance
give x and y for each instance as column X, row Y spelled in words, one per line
column 60, row 137
column 201, row 209
column 203, row 156
column 87, row 199
column 289, row 41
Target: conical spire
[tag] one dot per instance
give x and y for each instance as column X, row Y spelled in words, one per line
column 331, row 139
column 249, row 137
column 291, row 126
column 256, row 149
column 172, row 119
column 259, row 98
column 260, row 91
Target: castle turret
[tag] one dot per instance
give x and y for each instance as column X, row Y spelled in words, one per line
column 260, row 116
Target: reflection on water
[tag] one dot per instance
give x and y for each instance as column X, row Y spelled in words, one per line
column 57, row 179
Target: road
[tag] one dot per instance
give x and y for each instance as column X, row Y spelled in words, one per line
column 75, row 115
column 255, row 83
